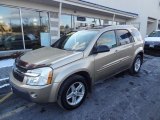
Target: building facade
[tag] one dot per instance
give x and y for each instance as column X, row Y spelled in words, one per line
column 31, row 24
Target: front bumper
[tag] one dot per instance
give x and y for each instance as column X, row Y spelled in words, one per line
column 152, row 45
column 37, row 94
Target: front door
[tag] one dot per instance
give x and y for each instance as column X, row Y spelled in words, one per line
column 106, row 63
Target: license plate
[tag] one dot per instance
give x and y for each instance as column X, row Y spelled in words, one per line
column 152, row 46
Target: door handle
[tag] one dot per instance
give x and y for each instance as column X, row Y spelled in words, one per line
column 116, row 51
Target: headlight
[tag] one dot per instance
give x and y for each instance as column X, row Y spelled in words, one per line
column 39, row 77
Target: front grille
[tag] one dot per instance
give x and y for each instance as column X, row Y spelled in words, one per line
column 18, row 73
column 21, row 69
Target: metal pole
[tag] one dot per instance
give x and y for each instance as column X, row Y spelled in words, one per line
column 22, row 28
column 60, row 12
column 113, row 19
column 49, row 22
column 157, row 24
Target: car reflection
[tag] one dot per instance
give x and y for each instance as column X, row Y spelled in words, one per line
column 14, row 42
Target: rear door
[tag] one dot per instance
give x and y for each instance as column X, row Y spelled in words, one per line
column 125, row 49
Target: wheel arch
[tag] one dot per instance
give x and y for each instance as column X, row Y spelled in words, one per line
column 139, row 51
column 84, row 74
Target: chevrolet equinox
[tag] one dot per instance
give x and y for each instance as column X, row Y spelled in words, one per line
column 66, row 71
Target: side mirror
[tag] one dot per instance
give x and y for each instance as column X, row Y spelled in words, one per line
column 101, row 49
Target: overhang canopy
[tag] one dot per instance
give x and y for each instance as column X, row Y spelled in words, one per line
column 82, row 5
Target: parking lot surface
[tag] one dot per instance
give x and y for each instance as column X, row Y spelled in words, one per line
column 122, row 97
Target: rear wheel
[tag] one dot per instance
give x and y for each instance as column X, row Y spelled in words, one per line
column 73, row 92
column 136, row 66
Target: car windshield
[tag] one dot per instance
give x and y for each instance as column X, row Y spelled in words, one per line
column 76, row 41
column 155, row 34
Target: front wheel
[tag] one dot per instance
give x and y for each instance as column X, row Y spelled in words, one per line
column 73, row 92
column 136, row 66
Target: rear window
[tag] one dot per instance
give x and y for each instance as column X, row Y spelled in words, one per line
column 155, row 34
column 136, row 34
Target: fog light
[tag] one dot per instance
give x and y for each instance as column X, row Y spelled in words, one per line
column 33, row 95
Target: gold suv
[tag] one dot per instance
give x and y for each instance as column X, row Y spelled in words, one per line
column 66, row 71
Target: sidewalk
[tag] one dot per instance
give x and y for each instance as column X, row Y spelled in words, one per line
column 6, row 63
column 5, row 69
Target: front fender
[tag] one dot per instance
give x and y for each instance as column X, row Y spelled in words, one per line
column 61, row 74
column 83, row 65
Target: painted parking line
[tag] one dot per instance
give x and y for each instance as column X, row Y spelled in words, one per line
column 5, row 97
column 4, row 79
column 18, row 110
column 4, row 82
column 5, row 85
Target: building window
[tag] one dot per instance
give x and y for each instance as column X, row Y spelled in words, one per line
column 69, row 23
column 121, row 23
column 65, row 24
column 97, row 22
column 101, row 22
column 86, row 22
column 110, row 22
column 10, row 29
column 35, row 25
column 36, row 28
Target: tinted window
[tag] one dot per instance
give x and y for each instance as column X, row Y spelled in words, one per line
column 124, row 37
column 108, row 39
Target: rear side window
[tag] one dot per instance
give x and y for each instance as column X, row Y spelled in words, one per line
column 136, row 34
column 124, row 37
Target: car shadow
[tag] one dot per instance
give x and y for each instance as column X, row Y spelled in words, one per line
column 152, row 52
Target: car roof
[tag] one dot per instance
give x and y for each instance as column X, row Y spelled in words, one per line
column 111, row 27
column 105, row 27
column 115, row 27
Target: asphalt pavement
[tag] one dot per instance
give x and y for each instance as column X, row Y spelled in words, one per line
column 122, row 97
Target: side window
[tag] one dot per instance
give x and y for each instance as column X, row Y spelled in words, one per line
column 26, row 37
column 18, row 38
column 136, row 34
column 124, row 37
column 108, row 39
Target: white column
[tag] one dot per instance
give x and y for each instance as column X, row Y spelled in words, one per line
column 60, row 12
column 157, row 24
column 113, row 19
column 21, row 20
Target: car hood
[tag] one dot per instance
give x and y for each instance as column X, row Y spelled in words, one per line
column 152, row 39
column 49, row 56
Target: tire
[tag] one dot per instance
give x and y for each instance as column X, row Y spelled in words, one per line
column 67, row 88
column 136, row 66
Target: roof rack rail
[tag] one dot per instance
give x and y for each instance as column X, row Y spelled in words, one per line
column 100, row 26
column 92, row 27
